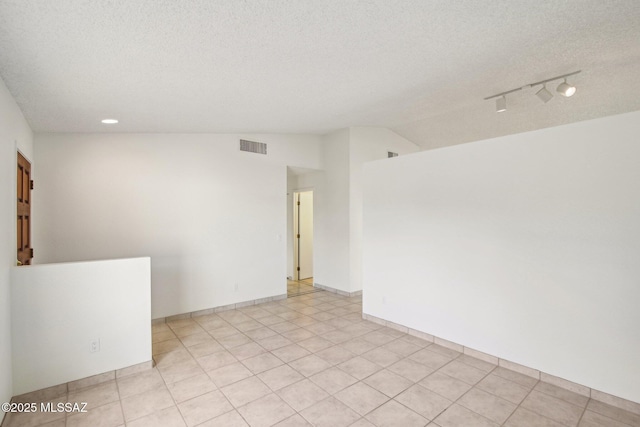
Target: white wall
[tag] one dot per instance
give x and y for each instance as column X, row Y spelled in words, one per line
column 366, row 144
column 525, row 247
column 331, row 214
column 14, row 133
column 209, row 215
column 58, row 309
column 338, row 201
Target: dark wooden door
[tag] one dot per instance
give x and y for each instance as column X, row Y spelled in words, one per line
column 25, row 252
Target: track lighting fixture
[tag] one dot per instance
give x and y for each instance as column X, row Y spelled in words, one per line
column 544, row 94
column 564, row 89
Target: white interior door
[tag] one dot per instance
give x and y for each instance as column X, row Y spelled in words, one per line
column 303, row 234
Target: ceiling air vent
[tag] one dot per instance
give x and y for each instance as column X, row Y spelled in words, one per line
column 253, row 147
column 391, row 154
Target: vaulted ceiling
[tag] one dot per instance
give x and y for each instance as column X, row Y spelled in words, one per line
column 419, row 67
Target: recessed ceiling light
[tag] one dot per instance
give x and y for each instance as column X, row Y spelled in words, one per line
column 109, row 121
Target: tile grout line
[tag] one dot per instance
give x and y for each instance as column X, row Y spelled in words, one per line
column 584, row 411
column 520, row 404
column 171, row 394
column 466, row 392
column 120, row 399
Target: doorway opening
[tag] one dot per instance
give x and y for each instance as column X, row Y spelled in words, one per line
column 302, row 282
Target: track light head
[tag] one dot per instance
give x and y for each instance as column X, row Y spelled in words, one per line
column 565, row 89
column 544, row 94
column 501, row 104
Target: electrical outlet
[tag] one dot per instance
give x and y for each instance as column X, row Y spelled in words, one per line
column 235, row 287
column 384, row 300
column 94, row 345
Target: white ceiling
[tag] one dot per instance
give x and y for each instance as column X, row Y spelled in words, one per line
column 419, row 67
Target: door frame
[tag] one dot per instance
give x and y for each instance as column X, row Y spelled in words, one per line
column 29, row 247
column 296, row 224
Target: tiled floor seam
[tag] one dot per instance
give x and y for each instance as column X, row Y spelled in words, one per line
column 388, row 400
column 122, row 411
column 119, row 401
column 583, row 412
column 463, row 394
column 520, row 404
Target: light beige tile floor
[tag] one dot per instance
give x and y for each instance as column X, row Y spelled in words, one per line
column 312, row 361
column 301, row 287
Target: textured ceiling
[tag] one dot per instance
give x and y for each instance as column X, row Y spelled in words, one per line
column 419, row 67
